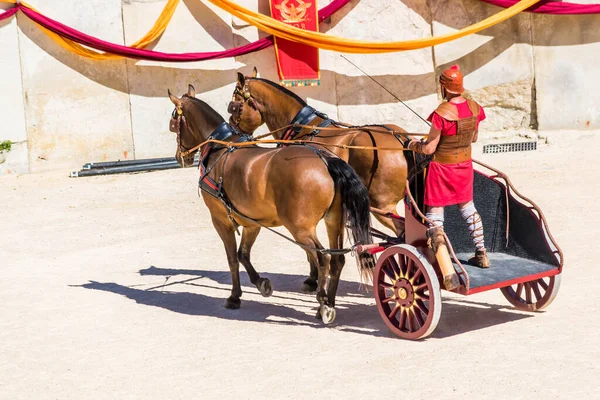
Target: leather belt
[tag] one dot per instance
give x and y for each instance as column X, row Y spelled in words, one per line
column 454, row 157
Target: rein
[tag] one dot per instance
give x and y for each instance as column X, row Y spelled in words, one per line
column 340, row 130
column 302, row 142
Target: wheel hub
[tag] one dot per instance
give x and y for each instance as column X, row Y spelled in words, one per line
column 404, row 292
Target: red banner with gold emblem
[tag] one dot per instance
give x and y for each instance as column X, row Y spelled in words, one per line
column 297, row 64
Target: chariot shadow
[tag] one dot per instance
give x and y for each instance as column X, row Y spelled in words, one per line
column 459, row 315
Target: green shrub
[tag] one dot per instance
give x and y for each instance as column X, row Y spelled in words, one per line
column 6, row 145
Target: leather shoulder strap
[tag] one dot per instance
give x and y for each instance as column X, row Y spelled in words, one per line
column 447, row 111
column 474, row 107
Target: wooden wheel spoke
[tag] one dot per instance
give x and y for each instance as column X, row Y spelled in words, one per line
column 410, row 266
column 386, row 285
column 395, row 268
column 543, row 284
column 536, row 291
column 403, row 266
column 422, row 296
column 528, row 293
column 421, row 306
column 402, row 321
column 387, row 273
column 519, row 291
column 420, row 287
column 416, row 276
column 394, row 311
column 388, row 299
column 417, row 312
column 409, row 317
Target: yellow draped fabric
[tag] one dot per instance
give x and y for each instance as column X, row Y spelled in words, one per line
column 285, row 31
column 342, row 45
column 157, row 29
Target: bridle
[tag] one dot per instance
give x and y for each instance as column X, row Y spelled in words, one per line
column 177, row 118
column 235, row 108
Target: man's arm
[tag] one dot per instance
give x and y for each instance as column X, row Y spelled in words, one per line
column 428, row 147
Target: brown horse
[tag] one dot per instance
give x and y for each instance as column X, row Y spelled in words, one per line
column 256, row 187
column 259, row 101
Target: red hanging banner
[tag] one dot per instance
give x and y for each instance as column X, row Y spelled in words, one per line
column 297, row 64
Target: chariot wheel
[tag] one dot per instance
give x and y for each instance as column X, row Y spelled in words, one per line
column 407, row 292
column 533, row 295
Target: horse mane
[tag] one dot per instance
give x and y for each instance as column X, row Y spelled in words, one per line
column 209, row 112
column 283, row 89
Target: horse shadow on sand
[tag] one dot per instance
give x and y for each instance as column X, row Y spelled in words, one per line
column 458, row 315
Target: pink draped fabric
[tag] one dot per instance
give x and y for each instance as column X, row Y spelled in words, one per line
column 552, row 7
column 98, row 44
column 8, row 13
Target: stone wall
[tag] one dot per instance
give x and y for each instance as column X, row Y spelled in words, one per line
column 61, row 110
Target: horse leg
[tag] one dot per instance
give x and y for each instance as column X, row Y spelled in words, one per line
column 326, row 313
column 249, row 236
column 334, row 222
column 310, row 284
column 227, row 233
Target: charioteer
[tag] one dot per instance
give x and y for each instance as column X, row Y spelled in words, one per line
column 449, row 181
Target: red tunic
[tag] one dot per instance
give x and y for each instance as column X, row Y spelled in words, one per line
column 448, row 184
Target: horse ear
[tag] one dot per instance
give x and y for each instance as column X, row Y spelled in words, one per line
column 241, row 78
column 174, row 98
column 191, row 91
column 254, row 72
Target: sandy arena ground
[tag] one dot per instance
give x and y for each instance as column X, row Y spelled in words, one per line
column 85, row 314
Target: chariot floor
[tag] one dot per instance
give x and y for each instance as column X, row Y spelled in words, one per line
column 503, row 267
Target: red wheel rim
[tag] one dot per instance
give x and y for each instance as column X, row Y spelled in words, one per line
column 404, row 293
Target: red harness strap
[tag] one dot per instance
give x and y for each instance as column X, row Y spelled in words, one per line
column 205, row 178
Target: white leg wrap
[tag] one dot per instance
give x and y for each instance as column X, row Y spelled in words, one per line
column 473, row 220
column 436, row 219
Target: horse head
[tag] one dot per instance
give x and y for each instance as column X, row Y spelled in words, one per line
column 258, row 101
column 244, row 107
column 192, row 121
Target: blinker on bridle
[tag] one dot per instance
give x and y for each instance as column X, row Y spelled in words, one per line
column 235, row 107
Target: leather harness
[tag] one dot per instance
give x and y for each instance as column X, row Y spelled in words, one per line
column 215, row 188
column 304, row 117
column 457, row 148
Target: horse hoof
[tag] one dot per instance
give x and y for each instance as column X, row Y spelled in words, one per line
column 264, row 287
column 327, row 314
column 233, row 304
column 309, row 286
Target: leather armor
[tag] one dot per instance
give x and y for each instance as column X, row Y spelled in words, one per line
column 457, row 148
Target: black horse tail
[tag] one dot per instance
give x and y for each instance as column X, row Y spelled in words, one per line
column 355, row 204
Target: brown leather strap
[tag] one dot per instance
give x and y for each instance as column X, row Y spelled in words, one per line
column 454, row 158
column 448, row 111
column 474, row 107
